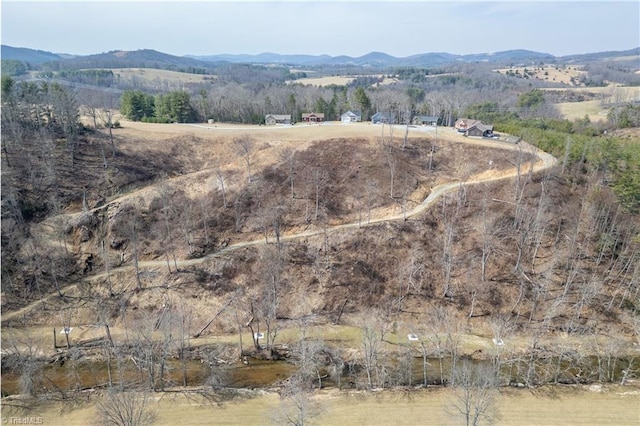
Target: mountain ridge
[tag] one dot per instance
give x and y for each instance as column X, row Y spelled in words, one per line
column 156, row 58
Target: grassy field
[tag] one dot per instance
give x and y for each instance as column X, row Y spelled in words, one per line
column 547, row 73
column 578, row 110
column 573, row 405
column 607, row 94
column 338, row 80
column 597, row 109
column 150, row 75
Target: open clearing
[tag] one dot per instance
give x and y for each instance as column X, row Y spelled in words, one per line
column 337, row 80
column 551, row 74
column 608, row 94
column 151, row 75
column 566, row 405
column 597, row 103
column 578, row 110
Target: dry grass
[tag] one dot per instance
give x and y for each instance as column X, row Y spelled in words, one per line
column 578, row 110
column 150, row 75
column 575, row 405
column 608, row 94
column 337, row 80
column 548, row 73
column 597, row 108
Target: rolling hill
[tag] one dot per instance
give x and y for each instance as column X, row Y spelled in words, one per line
column 147, row 58
column 28, row 55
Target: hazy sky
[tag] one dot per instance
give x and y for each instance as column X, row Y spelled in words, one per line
column 334, row 27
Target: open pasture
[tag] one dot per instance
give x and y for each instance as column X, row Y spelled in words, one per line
column 552, row 74
column 573, row 405
column 151, row 75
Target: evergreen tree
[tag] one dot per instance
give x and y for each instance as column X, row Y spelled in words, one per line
column 136, row 105
column 363, row 102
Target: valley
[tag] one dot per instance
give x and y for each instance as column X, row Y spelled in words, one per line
column 164, row 244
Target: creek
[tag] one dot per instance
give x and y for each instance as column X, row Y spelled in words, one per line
column 72, row 375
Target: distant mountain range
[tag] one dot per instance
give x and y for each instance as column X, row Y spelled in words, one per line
column 380, row 59
column 155, row 59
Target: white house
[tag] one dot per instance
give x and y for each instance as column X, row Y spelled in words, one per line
column 351, row 117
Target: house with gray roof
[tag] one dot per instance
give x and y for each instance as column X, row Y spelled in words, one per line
column 272, row 119
column 425, row 120
column 383, row 117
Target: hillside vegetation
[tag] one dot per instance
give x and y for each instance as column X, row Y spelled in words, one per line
column 168, row 249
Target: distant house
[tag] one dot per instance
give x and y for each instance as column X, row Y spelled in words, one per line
column 473, row 128
column 383, row 117
column 351, row 117
column 272, row 119
column 313, row 117
column 463, row 124
column 480, row 129
column 425, row 120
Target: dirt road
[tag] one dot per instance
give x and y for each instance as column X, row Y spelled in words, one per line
column 544, row 162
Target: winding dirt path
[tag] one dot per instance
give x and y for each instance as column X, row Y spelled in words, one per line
column 545, row 161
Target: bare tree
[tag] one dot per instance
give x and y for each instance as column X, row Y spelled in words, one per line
column 389, row 151
column 245, row 148
column 449, row 222
column 319, row 179
column 107, row 118
column 272, row 264
column 133, row 229
column 296, row 408
column 220, row 177
column 125, row 409
column 20, row 354
column 475, row 394
column 167, row 212
column 287, row 155
column 374, row 326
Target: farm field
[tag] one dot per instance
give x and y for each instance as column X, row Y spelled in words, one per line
column 573, row 405
column 608, row 94
column 335, row 80
column 578, row 110
column 151, row 75
column 597, row 104
column 551, row 74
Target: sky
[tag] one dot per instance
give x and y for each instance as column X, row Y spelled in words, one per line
column 352, row 28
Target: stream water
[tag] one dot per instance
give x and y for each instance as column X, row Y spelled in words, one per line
column 85, row 374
